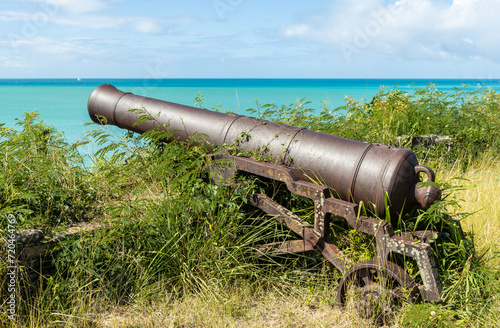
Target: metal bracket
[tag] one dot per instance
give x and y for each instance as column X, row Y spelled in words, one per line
column 316, row 237
column 422, row 253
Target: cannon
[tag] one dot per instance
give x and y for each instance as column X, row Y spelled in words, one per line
column 339, row 175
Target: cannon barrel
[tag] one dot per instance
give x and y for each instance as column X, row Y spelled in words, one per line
column 356, row 171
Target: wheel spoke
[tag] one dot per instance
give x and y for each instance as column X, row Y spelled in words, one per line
column 366, row 280
column 380, row 287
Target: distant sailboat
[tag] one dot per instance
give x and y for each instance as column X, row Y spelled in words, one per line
column 79, row 79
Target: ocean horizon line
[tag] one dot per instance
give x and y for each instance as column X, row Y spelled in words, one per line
column 148, row 82
column 251, row 78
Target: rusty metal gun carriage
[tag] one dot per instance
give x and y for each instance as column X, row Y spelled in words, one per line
column 337, row 174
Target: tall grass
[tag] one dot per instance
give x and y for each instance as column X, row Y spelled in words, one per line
column 470, row 118
column 480, row 199
column 171, row 240
column 166, row 228
column 468, row 122
column 41, row 181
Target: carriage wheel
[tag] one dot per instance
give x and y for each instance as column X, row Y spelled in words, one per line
column 377, row 288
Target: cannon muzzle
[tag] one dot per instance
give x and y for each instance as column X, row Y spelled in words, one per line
column 374, row 174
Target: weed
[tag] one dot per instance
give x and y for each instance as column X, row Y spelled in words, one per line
column 170, row 233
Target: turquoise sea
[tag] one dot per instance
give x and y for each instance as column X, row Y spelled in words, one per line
column 62, row 103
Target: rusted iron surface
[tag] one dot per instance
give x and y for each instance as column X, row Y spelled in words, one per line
column 334, row 255
column 375, row 284
column 336, row 174
column 325, row 206
column 426, row 236
column 283, row 215
column 422, row 253
column 426, row 195
column 303, row 229
column 355, row 171
column 286, row 247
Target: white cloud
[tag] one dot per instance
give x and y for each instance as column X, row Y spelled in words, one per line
column 16, row 63
column 55, row 57
column 144, row 25
column 94, row 22
column 297, row 30
column 41, row 46
column 12, row 16
column 87, row 14
column 41, row 17
column 77, row 6
column 416, row 29
column 147, row 26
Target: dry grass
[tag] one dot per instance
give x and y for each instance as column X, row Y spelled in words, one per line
column 482, row 200
column 242, row 309
column 238, row 309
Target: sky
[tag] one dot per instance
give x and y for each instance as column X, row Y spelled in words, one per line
column 250, row 39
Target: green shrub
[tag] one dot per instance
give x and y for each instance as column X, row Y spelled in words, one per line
column 469, row 118
column 42, row 181
column 167, row 228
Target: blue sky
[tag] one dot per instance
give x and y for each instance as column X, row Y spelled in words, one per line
column 249, row 39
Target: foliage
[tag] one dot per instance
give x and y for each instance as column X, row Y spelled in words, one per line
column 469, row 118
column 42, row 181
column 469, row 281
column 167, row 228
